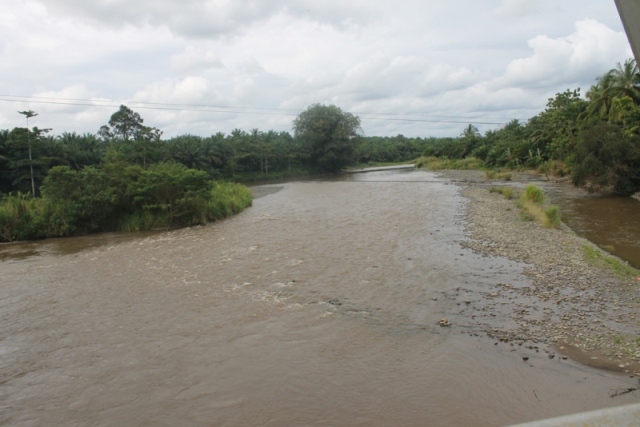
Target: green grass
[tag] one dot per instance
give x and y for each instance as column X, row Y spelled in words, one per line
column 507, row 192
column 494, row 174
column 442, row 163
column 531, row 202
column 534, row 194
column 553, row 216
column 597, row 257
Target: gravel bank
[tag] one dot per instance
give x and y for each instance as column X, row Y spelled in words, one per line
column 573, row 305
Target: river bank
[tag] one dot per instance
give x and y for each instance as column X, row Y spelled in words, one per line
column 576, row 304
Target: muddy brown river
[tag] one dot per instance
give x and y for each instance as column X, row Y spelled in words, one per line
column 318, row 306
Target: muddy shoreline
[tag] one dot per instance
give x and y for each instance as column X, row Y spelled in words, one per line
column 573, row 308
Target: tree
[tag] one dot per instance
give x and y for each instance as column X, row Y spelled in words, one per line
column 330, row 135
column 605, row 158
column 81, row 150
column 470, row 138
column 556, row 129
column 174, row 189
column 619, row 82
column 625, row 80
column 124, row 124
column 28, row 157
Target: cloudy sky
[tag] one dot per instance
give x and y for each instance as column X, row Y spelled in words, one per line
column 415, row 67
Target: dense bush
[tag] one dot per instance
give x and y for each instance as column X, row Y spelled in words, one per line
column 119, row 197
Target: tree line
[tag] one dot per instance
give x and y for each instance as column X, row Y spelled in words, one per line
column 323, row 141
column 595, row 140
column 126, row 177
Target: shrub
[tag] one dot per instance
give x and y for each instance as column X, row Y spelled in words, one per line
column 534, row 194
column 507, row 192
column 532, row 204
column 494, row 174
column 119, row 198
column 553, row 216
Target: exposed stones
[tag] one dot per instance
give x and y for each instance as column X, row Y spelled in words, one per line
column 444, row 322
column 569, row 300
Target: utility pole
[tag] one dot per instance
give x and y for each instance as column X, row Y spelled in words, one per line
column 28, row 114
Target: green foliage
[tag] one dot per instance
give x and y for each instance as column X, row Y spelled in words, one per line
column 496, row 174
column 555, row 130
column 596, row 256
column 534, row 194
column 27, row 153
column 604, row 157
column 507, row 192
column 561, row 140
column 532, row 204
column 173, row 189
column 329, row 135
column 434, row 163
column 376, row 150
column 119, row 197
column 228, row 199
column 553, row 216
column 126, row 124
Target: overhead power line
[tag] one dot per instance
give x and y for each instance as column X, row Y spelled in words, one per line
column 204, row 108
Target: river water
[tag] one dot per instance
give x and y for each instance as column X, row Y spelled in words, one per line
column 318, row 306
column 612, row 222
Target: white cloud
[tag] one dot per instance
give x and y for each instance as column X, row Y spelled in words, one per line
column 207, row 18
column 590, row 51
column 190, row 90
column 194, row 59
column 511, row 9
column 428, row 58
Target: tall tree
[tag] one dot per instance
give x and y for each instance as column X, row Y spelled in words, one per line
column 124, row 124
column 330, row 134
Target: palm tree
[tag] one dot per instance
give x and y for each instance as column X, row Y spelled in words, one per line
column 190, row 153
column 624, row 80
column 470, row 132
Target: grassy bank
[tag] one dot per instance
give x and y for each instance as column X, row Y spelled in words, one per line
column 442, row 163
column 532, row 203
column 119, row 198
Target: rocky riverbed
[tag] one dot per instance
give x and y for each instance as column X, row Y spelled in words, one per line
column 575, row 305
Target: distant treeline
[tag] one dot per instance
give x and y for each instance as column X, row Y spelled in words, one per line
column 595, row 139
column 238, row 156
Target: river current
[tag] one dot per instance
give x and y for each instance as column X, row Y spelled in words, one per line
column 317, row 306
